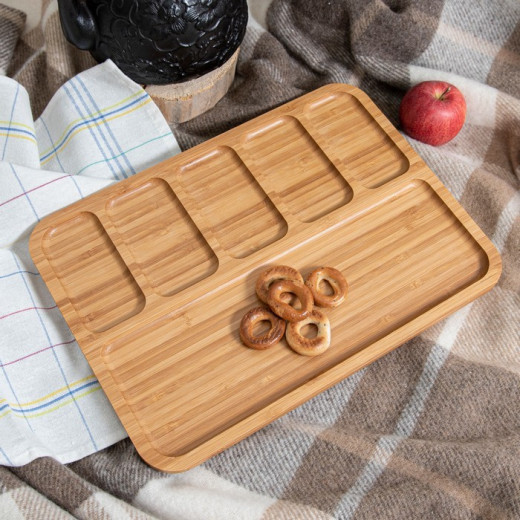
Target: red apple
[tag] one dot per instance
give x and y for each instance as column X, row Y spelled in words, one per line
column 433, row 112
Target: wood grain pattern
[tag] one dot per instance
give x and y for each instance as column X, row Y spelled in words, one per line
column 166, row 245
column 154, row 274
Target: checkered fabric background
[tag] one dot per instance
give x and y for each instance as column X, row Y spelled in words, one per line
column 429, row 431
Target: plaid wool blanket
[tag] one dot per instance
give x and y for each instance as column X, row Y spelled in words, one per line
column 429, row 431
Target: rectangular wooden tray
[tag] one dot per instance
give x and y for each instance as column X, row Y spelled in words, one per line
column 153, row 274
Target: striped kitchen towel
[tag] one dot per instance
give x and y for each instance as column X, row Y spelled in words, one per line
column 98, row 128
column 431, row 430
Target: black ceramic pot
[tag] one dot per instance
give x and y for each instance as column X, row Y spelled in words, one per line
column 157, row 41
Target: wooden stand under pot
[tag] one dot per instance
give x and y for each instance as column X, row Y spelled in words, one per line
column 180, row 102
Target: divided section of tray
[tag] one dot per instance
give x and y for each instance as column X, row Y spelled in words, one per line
column 154, row 274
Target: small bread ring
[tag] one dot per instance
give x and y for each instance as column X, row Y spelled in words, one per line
column 269, row 275
column 309, row 346
column 267, row 339
column 283, row 309
column 336, row 281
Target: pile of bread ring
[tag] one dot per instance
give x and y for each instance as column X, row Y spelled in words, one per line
column 278, row 286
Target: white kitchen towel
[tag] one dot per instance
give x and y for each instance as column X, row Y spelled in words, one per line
column 100, row 127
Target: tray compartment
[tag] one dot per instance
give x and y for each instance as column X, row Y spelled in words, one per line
column 346, row 128
column 232, row 203
column 296, row 169
column 386, row 254
column 165, row 243
column 93, row 275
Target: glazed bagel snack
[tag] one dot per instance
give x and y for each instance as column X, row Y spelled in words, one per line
column 335, row 280
column 274, row 273
column 267, row 339
column 282, row 281
column 309, row 346
column 285, row 310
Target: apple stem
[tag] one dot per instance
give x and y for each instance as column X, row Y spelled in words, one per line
column 444, row 93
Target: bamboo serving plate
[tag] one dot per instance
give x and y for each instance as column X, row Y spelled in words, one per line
column 154, row 274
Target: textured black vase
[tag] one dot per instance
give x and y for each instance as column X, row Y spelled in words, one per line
column 157, row 41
